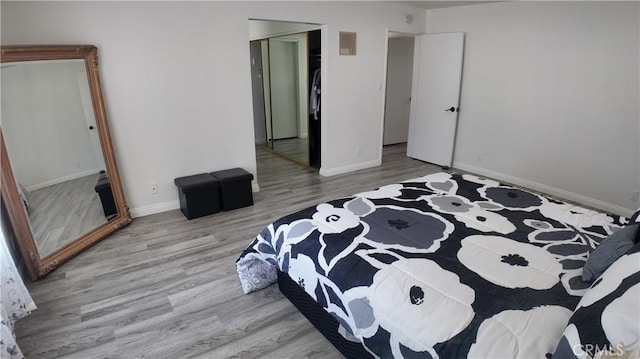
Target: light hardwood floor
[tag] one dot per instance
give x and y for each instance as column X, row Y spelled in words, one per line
column 62, row 212
column 296, row 148
column 165, row 287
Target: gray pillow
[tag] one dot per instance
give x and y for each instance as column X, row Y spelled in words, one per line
column 612, row 248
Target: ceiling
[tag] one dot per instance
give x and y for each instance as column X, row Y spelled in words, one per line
column 440, row 4
column 433, row 5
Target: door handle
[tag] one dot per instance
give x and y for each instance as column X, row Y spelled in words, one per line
column 453, row 109
column 91, row 127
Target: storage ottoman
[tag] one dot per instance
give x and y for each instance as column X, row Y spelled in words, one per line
column 103, row 189
column 199, row 195
column 235, row 188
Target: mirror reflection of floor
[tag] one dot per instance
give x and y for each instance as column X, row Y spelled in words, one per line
column 62, row 212
column 297, row 148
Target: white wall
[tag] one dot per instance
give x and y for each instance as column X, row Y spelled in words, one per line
column 550, row 96
column 177, row 84
column 399, row 77
column 43, row 123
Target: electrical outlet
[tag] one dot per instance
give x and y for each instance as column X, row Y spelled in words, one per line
column 634, row 196
column 479, row 156
column 77, row 164
column 153, row 187
column 357, row 151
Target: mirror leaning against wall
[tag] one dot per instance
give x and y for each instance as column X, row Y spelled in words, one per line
column 60, row 181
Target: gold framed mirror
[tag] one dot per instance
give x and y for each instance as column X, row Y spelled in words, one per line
column 60, row 181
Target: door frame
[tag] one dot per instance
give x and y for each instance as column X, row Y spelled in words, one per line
column 384, row 78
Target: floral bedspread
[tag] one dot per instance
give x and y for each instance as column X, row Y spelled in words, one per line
column 446, row 265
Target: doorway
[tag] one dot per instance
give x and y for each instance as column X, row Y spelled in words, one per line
column 397, row 110
column 284, row 58
column 435, row 64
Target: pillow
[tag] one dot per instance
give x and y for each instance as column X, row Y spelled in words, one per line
column 614, row 246
column 636, row 217
column 605, row 322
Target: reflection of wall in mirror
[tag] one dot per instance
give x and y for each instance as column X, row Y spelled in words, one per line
column 302, row 78
column 44, row 122
column 257, row 92
column 266, row 81
column 283, row 63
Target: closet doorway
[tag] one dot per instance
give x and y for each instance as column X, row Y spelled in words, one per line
column 285, row 68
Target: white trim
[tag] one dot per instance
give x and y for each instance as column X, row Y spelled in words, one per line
column 62, row 179
column 571, row 196
column 417, row 43
column 154, row 208
column 311, row 27
column 284, row 40
column 325, row 78
column 384, row 90
column 170, row 205
column 349, row 168
column 409, row 32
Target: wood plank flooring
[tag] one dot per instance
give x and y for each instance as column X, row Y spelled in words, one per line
column 165, row 287
column 296, row 148
column 62, row 212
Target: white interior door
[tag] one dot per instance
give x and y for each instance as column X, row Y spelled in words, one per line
column 87, row 106
column 436, row 94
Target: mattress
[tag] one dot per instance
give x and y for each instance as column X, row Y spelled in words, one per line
column 320, row 319
column 446, row 265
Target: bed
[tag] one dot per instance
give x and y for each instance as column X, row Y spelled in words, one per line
column 447, row 265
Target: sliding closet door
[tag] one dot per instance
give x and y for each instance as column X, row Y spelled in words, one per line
column 283, row 62
column 292, row 126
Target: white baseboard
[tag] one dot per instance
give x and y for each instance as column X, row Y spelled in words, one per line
column 571, row 196
column 154, row 208
column 62, row 179
column 349, row 168
column 169, row 206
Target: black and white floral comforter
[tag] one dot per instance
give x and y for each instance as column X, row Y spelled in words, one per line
column 446, row 265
